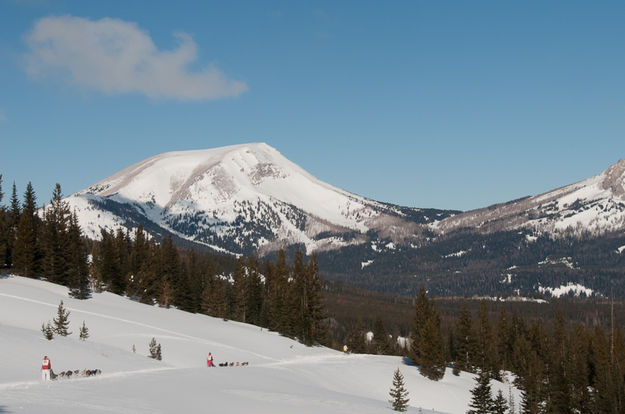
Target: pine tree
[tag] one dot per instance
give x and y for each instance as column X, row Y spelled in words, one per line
column 500, row 406
column 13, row 218
column 84, row 331
column 427, row 348
column 559, row 398
column 159, row 356
column 3, row 230
column 398, row 393
column 47, row 331
column 487, row 346
column 26, row 251
column 317, row 314
column 465, row 340
column 422, row 313
column 54, row 240
column 481, row 401
column 109, row 264
column 77, row 265
column 254, row 292
column 381, row 343
column 355, row 338
column 61, row 322
column 239, row 305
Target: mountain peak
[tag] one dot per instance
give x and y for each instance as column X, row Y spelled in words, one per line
column 615, row 178
column 245, row 196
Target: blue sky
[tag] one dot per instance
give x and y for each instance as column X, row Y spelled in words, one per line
column 421, row 103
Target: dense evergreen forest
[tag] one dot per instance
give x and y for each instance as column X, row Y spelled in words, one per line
column 562, row 365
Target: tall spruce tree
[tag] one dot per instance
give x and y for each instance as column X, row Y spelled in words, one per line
column 13, row 218
column 500, row 405
column 54, row 239
column 254, row 292
column 481, row 400
column 316, row 303
column 77, row 265
column 26, row 252
column 558, row 393
column 4, row 228
column 487, row 346
column 427, row 348
column 399, row 394
column 465, row 340
column 381, row 342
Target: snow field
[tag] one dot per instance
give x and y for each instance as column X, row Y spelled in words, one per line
column 283, row 376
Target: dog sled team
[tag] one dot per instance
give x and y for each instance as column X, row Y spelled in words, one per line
column 210, row 359
column 48, row 374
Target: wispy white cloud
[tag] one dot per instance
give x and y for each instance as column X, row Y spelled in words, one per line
column 115, row 57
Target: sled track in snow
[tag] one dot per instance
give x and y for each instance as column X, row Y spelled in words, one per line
column 173, row 334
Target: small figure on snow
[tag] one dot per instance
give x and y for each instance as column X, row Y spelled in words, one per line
column 209, row 360
column 46, row 367
column 345, row 349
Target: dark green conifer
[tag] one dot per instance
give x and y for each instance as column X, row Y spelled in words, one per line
column 54, row 239
column 465, row 340
column 500, row 405
column 487, row 346
column 48, row 331
column 61, row 322
column 381, row 343
column 77, row 265
column 427, row 349
column 399, row 394
column 481, row 400
column 26, row 252
column 84, row 331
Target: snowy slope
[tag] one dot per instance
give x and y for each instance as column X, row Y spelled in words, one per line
column 595, row 206
column 236, row 198
column 283, row 376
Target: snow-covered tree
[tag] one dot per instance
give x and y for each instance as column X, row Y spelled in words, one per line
column 398, row 393
column 155, row 350
column 500, row 405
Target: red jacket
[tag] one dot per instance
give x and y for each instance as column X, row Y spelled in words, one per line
column 46, row 364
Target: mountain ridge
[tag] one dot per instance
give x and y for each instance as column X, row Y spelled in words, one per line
column 249, row 199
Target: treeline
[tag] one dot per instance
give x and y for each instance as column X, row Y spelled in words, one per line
column 50, row 245
column 282, row 297
column 560, row 368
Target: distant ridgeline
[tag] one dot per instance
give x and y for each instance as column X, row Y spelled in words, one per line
column 504, row 263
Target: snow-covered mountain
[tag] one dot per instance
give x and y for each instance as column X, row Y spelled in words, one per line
column 237, row 199
column 593, row 206
column 283, row 376
column 249, row 198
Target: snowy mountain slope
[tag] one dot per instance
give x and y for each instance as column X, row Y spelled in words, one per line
column 595, row 205
column 237, row 198
column 283, row 376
